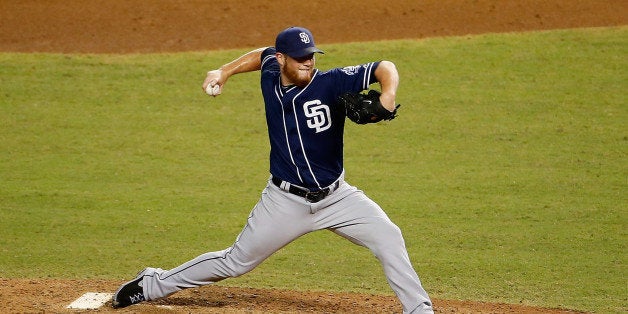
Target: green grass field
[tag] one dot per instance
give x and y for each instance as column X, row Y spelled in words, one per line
column 506, row 169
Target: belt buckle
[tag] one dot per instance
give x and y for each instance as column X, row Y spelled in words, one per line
column 315, row 197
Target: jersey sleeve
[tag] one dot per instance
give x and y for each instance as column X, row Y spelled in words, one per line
column 355, row 78
column 269, row 61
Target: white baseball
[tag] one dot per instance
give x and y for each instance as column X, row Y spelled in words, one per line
column 212, row 90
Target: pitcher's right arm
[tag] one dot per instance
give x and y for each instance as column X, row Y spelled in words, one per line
column 251, row 61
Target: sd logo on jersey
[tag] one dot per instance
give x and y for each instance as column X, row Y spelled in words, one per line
column 319, row 115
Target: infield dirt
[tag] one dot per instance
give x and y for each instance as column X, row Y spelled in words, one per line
column 134, row 26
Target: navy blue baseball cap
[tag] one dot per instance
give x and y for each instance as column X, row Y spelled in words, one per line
column 297, row 42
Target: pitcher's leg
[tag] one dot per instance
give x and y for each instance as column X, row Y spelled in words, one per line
column 368, row 225
column 273, row 223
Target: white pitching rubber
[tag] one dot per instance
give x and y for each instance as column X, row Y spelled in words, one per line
column 90, row 301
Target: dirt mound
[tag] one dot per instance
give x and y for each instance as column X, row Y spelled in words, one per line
column 125, row 26
column 53, row 296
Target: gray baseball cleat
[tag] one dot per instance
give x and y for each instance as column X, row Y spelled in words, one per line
column 130, row 293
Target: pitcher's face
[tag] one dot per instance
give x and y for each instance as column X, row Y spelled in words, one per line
column 296, row 71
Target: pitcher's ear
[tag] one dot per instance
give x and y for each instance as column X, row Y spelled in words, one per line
column 281, row 58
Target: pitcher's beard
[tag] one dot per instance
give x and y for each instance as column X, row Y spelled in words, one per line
column 300, row 78
column 302, row 82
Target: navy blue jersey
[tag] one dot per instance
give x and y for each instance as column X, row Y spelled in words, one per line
column 305, row 126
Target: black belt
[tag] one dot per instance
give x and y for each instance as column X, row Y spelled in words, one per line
column 311, row 196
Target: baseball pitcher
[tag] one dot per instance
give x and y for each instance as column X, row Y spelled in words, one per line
column 305, row 113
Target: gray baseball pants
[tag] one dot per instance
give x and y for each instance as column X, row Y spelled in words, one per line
column 278, row 219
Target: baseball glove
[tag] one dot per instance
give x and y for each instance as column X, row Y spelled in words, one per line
column 365, row 108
